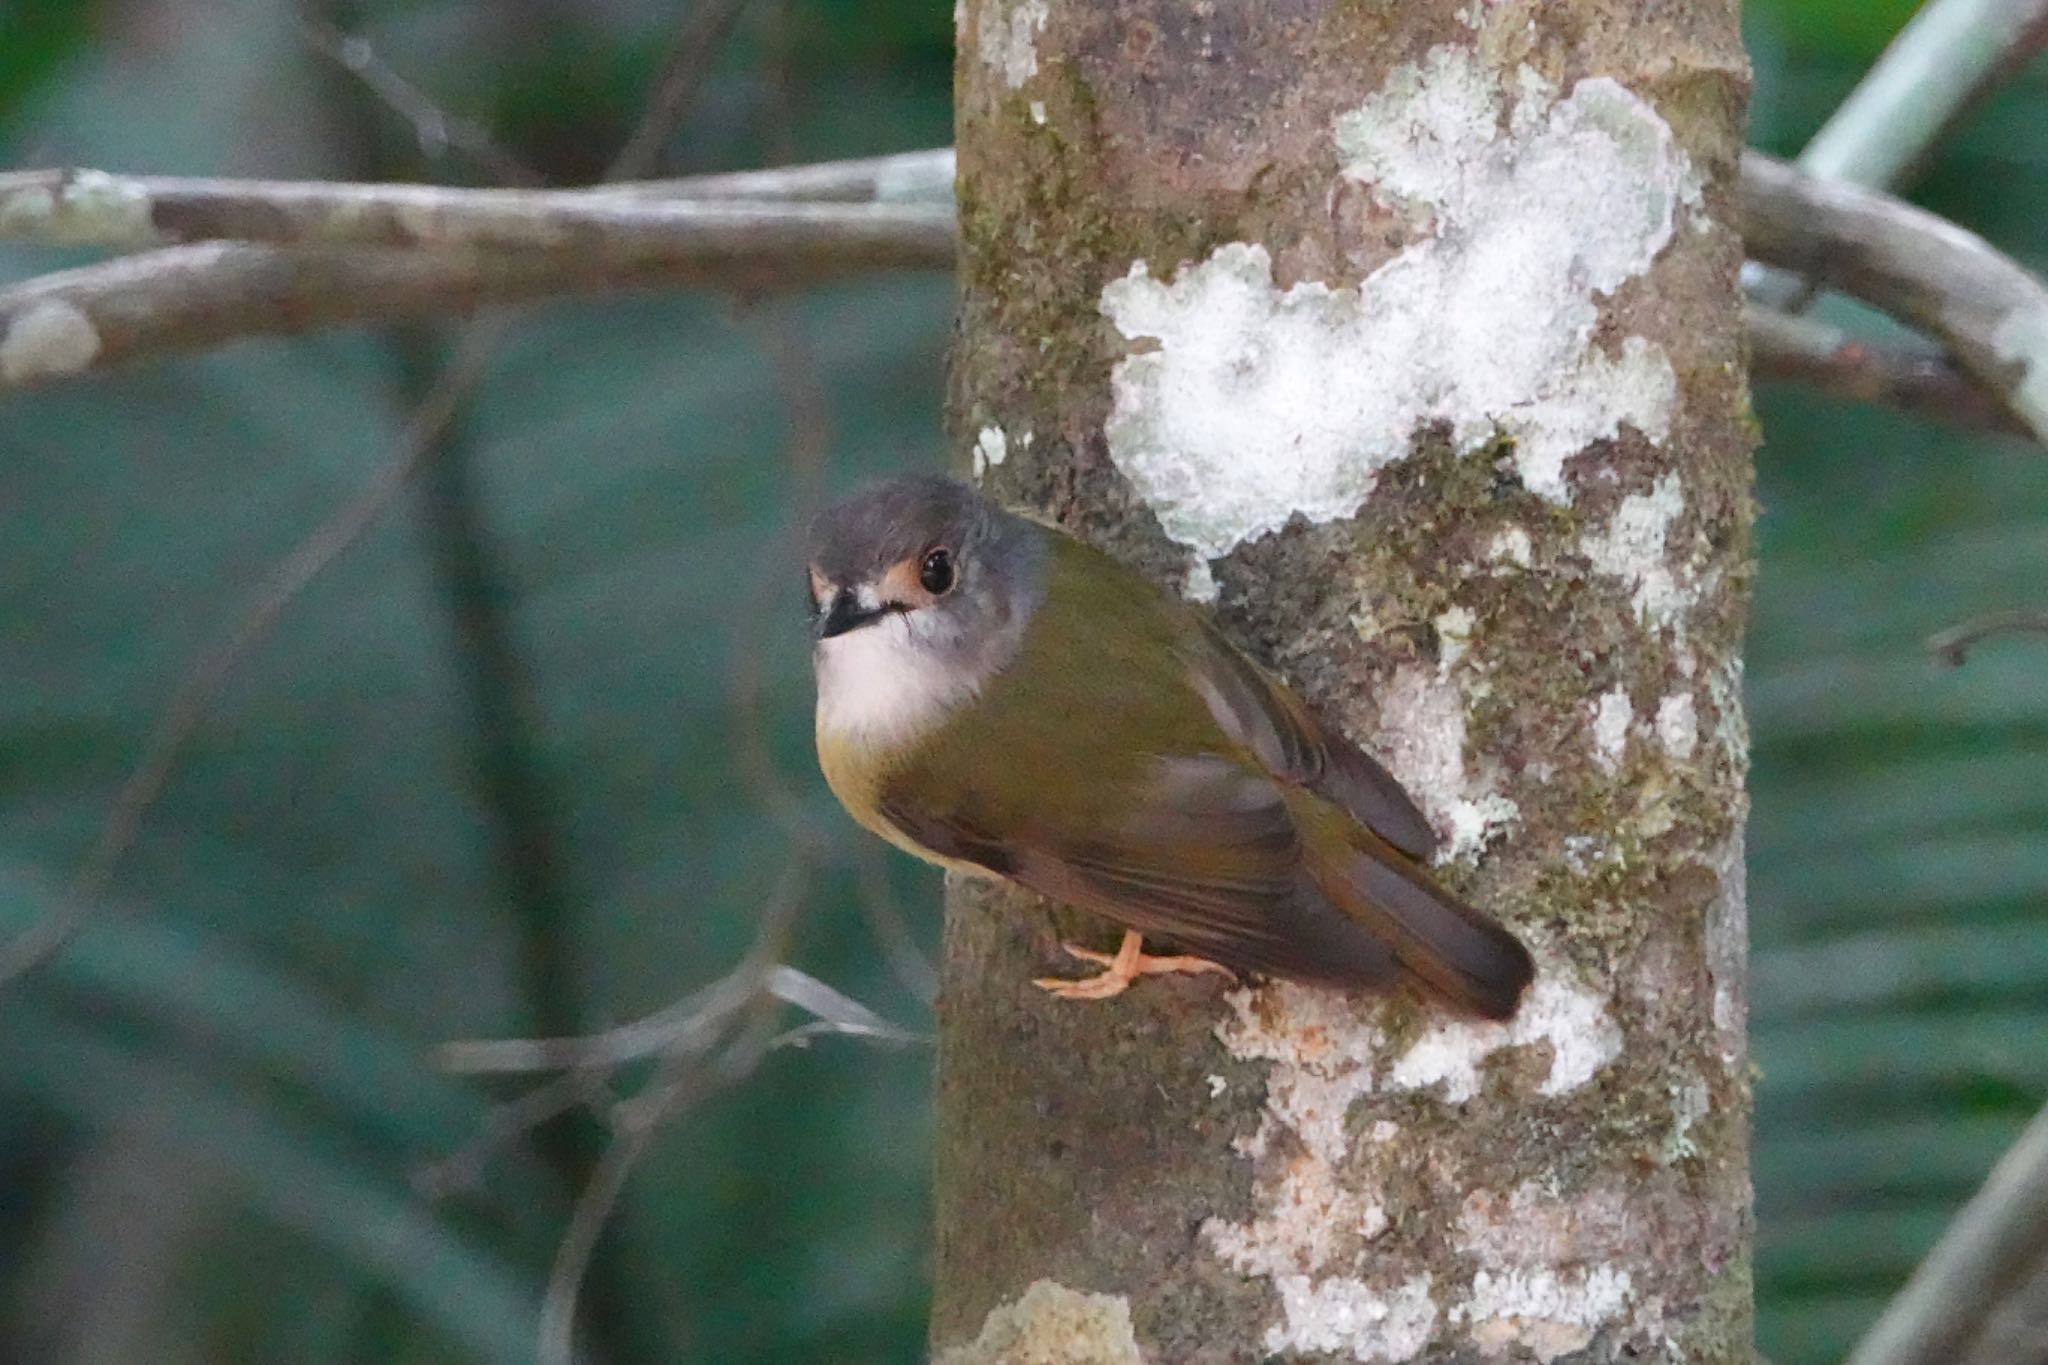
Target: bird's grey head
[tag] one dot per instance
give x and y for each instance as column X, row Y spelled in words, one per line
column 920, row 591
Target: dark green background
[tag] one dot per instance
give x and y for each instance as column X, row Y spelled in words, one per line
column 213, row 1108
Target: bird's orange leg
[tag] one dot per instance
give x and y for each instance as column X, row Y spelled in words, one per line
column 1120, row 969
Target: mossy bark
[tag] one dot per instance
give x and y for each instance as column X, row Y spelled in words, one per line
column 1588, row 1197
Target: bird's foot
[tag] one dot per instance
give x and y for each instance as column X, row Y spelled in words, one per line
column 1129, row 962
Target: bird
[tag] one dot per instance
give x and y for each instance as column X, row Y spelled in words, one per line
column 1001, row 699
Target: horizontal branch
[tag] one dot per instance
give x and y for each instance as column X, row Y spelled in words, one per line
column 921, row 177
column 188, row 298
column 1922, row 269
column 306, row 255
column 1952, row 646
column 92, row 208
column 1923, row 382
column 1943, row 62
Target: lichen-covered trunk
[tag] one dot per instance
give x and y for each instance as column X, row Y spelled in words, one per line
column 1407, row 334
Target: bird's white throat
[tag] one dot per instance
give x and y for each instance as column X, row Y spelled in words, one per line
column 882, row 685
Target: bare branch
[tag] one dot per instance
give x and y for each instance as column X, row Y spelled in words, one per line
column 1942, row 63
column 679, row 1081
column 923, row 177
column 433, row 128
column 204, row 681
column 188, row 298
column 1922, row 269
column 1922, row 382
column 125, row 212
column 507, row 1123
column 1925, row 270
column 834, row 1011
column 1947, row 58
column 1993, row 1241
column 697, row 42
column 182, row 299
column 1952, row 646
column 684, row 1024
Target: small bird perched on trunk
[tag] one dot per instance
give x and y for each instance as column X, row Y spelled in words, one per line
column 998, row 698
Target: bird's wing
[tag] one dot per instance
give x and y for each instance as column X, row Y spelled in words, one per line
column 1297, row 748
column 1205, row 853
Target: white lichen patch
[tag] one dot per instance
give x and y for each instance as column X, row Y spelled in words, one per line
column 1542, row 1312
column 1422, row 739
column 1689, row 1101
column 1633, row 547
column 991, row 448
column 47, row 340
column 1317, row 1207
column 84, row 208
column 1572, row 1020
column 1551, row 1270
column 1731, row 723
column 918, row 178
column 1050, row 1324
column 2021, row 339
column 1612, row 716
column 1454, row 636
column 1248, row 404
column 1678, row 725
column 1311, row 1220
column 1313, row 1214
column 1584, row 852
column 1511, row 546
column 1322, row 1059
column 1009, row 32
column 1351, row 1318
column 1728, row 949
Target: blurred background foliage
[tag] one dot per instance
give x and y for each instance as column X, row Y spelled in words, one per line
column 217, row 1109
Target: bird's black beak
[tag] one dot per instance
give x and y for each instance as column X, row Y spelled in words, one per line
column 845, row 613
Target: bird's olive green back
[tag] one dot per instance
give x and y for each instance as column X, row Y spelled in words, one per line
column 1098, row 689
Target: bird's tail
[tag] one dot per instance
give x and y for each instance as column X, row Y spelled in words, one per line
column 1454, row 951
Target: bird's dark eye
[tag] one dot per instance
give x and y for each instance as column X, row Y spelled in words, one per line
column 936, row 573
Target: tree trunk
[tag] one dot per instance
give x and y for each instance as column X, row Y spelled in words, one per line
column 1408, row 335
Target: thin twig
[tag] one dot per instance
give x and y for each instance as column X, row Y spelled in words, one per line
column 679, row 1081
column 184, row 299
column 835, row 1010
column 1939, row 67
column 683, row 1023
column 434, row 129
column 507, row 1123
column 1952, row 646
column 1923, row 382
column 909, row 962
column 919, row 177
column 1999, row 1234
column 698, row 40
column 203, row 682
column 1942, row 64
column 1924, row 270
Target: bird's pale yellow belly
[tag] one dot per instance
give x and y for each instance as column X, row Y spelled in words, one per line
column 855, row 772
